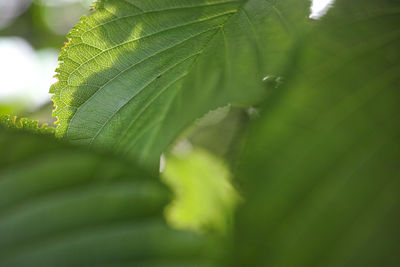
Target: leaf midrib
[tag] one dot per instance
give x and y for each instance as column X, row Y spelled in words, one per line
column 142, row 37
column 219, row 28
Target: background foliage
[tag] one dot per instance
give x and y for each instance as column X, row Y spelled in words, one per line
column 304, row 113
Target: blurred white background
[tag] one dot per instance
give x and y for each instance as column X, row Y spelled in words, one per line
column 26, row 71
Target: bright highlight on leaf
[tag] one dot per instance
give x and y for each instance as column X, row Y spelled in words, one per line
column 204, row 198
column 14, row 122
column 136, row 73
column 318, row 169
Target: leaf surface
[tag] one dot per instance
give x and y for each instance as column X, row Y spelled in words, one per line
column 204, row 197
column 321, row 169
column 25, row 124
column 135, row 73
column 64, row 206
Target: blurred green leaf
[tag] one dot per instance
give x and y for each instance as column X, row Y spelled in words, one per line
column 64, row 206
column 321, row 169
column 204, row 197
column 25, row 124
column 6, row 109
column 136, row 73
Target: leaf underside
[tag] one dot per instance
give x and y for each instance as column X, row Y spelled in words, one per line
column 136, row 73
column 321, row 169
column 63, row 206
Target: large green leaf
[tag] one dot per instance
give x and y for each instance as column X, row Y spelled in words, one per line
column 136, row 72
column 63, row 206
column 321, row 169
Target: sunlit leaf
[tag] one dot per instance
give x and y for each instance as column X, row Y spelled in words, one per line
column 25, row 124
column 135, row 73
column 204, row 196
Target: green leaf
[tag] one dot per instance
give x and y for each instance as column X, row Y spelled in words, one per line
column 321, row 169
column 13, row 122
column 137, row 72
column 204, row 196
column 64, row 206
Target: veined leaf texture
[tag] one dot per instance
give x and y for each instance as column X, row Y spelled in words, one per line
column 61, row 205
column 321, row 168
column 136, row 72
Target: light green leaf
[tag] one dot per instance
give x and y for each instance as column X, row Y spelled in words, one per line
column 63, row 206
column 321, row 169
column 137, row 72
column 204, row 196
column 13, row 122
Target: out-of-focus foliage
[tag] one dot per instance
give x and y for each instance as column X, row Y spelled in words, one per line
column 42, row 23
column 31, row 34
column 7, row 109
column 318, row 170
column 25, row 124
column 321, row 169
column 204, row 197
column 64, row 206
column 219, row 132
column 136, row 73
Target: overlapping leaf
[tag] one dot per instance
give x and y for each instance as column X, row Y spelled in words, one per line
column 63, row 206
column 321, row 171
column 25, row 124
column 136, row 72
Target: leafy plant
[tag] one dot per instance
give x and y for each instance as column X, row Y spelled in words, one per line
column 65, row 206
column 199, row 180
column 14, row 122
column 317, row 167
column 133, row 68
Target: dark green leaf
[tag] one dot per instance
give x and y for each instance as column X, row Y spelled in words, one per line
column 63, row 206
column 321, row 170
